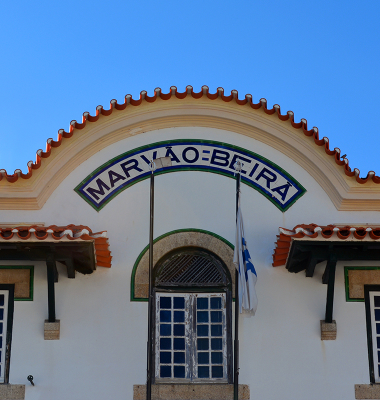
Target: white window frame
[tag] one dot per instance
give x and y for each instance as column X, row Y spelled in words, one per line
column 370, row 292
column 191, row 351
column 6, row 336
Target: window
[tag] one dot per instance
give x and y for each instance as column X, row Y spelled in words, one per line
column 193, row 318
column 372, row 304
column 6, row 321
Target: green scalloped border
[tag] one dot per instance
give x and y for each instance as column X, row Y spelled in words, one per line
column 133, row 298
column 303, row 190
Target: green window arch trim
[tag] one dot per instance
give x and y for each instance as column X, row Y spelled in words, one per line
column 175, row 240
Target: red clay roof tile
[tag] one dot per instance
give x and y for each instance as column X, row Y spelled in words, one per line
column 74, row 125
column 57, row 233
column 320, row 233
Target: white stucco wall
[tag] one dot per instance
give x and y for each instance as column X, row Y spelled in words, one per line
column 102, row 349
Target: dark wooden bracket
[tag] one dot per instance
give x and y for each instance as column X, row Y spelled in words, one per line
column 311, row 267
column 70, row 268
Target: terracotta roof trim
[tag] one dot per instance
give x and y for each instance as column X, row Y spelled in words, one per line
column 319, row 233
column 128, row 100
column 55, row 233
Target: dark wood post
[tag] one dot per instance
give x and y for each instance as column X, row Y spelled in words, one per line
column 51, row 267
column 330, row 267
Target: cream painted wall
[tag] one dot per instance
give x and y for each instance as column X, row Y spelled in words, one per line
column 102, row 350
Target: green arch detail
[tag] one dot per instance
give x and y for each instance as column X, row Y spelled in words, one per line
column 134, row 269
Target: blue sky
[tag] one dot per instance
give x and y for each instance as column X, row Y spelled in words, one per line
column 318, row 59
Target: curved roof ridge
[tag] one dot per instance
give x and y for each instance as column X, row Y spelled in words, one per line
column 128, row 100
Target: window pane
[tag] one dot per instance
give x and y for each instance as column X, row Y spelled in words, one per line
column 377, row 315
column 165, row 344
column 202, row 303
column 1, row 299
column 179, row 371
column 216, row 330
column 165, row 330
column 203, row 357
column 216, row 303
column 203, row 372
column 1, row 328
column 165, row 357
column 2, row 313
column 179, row 330
column 165, row 316
column 179, row 344
column 202, row 344
column 176, row 329
column 202, row 330
column 217, row 372
column 179, row 316
column 377, row 301
column 217, row 358
column 216, row 344
column 165, row 302
column 202, row 316
column 179, row 302
column 179, row 357
column 216, row 316
column 165, row 371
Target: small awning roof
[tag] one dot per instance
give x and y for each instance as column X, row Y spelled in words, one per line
column 74, row 245
column 306, row 245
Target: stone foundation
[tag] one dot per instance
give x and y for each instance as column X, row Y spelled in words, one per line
column 367, row 391
column 12, row 392
column 212, row 391
column 328, row 330
column 52, row 330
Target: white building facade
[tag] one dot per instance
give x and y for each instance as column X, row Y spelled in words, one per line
column 74, row 258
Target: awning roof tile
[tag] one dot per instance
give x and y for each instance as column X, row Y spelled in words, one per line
column 319, row 233
column 54, row 233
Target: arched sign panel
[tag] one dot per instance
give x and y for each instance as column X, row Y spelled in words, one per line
column 117, row 174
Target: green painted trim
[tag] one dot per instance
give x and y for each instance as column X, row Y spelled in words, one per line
column 109, row 162
column 347, row 283
column 31, row 279
column 134, row 269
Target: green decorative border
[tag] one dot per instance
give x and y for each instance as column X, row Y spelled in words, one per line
column 106, row 164
column 346, row 282
column 31, row 279
column 133, row 298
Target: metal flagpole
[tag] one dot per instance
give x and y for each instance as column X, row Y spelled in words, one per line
column 236, row 341
column 150, row 299
column 159, row 163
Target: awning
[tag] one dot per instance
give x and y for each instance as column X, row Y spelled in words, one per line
column 305, row 245
column 76, row 246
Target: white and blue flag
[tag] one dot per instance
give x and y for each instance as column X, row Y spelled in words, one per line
column 247, row 272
